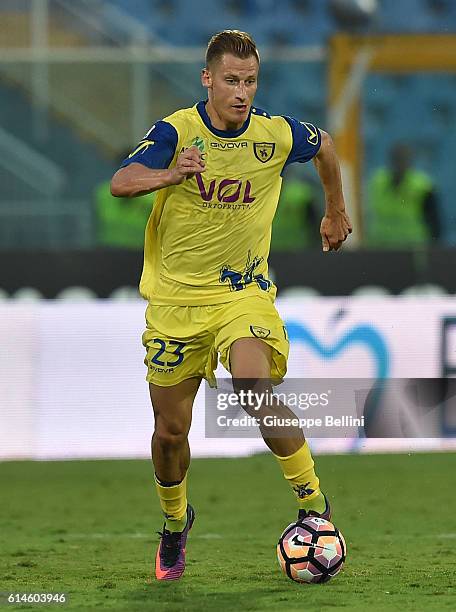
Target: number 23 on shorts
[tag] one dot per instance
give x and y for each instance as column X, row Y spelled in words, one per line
column 174, row 347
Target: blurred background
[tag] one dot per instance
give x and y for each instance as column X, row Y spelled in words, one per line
column 81, row 81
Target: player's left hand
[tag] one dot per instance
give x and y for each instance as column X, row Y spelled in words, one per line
column 334, row 229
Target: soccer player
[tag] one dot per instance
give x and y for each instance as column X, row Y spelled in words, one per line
column 217, row 170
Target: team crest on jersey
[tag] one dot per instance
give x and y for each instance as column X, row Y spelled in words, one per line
column 264, row 151
column 260, row 332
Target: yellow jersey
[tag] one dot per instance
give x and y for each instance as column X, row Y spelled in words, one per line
column 207, row 240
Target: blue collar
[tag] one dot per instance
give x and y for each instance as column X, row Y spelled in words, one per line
column 201, row 108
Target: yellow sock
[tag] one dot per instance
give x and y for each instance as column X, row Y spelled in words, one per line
column 173, row 502
column 298, row 469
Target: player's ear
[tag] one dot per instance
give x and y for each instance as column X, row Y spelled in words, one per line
column 206, row 78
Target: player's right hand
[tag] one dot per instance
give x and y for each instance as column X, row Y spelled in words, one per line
column 188, row 163
column 335, row 227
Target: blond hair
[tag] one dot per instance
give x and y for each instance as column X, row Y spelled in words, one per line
column 237, row 43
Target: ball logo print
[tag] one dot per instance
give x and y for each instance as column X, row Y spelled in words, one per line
column 298, row 540
column 317, row 520
column 311, row 550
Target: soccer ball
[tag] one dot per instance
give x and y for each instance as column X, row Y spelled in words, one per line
column 312, row 550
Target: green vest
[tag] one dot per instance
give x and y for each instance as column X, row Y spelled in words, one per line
column 397, row 212
column 289, row 229
column 121, row 221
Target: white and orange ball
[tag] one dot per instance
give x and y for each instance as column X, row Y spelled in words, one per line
column 312, row 550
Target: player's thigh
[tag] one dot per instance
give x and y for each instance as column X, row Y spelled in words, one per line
column 253, row 318
column 250, row 365
column 176, row 348
column 250, row 358
column 173, row 406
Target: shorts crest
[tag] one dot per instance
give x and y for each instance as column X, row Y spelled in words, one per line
column 259, row 332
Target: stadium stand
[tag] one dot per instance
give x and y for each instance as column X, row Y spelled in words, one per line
column 293, row 88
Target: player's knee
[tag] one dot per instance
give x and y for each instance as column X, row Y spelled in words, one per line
column 251, row 384
column 170, row 436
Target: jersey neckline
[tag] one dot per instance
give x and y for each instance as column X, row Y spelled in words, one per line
column 201, row 108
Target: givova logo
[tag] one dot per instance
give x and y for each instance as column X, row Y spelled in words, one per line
column 229, row 146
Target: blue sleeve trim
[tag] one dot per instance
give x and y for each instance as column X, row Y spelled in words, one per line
column 306, row 141
column 156, row 149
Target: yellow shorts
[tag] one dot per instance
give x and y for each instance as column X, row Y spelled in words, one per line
column 184, row 341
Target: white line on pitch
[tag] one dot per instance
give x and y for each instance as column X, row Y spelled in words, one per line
column 137, row 535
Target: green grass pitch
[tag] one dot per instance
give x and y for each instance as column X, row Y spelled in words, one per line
column 88, row 529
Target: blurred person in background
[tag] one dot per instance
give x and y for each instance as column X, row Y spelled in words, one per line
column 403, row 204
column 297, row 218
column 120, row 222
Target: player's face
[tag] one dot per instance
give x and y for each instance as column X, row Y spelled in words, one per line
column 231, row 84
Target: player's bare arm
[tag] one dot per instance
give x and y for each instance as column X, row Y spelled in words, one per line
column 136, row 179
column 335, row 225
